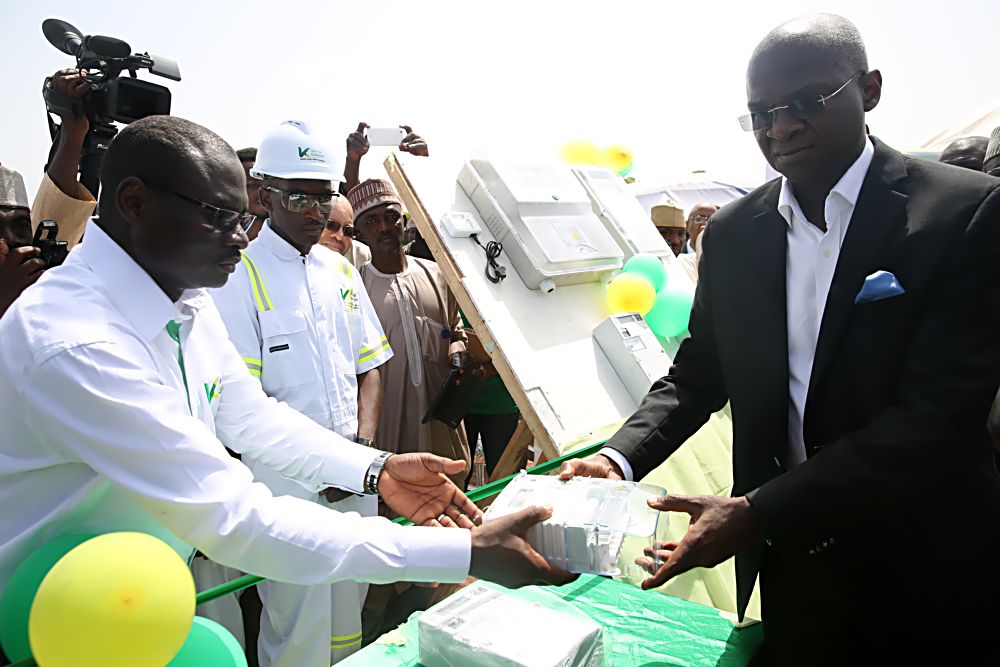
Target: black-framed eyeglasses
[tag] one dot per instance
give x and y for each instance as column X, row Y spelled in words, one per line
column 807, row 105
column 223, row 220
column 335, row 227
column 300, row 202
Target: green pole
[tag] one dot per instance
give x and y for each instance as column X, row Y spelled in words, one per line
column 486, row 491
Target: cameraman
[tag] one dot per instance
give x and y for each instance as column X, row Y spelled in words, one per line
column 20, row 265
column 61, row 197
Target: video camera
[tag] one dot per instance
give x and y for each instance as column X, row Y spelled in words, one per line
column 112, row 98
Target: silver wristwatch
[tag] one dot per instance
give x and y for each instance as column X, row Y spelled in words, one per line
column 374, row 472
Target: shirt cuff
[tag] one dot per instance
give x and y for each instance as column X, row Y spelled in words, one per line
column 620, row 459
column 347, row 469
column 437, row 554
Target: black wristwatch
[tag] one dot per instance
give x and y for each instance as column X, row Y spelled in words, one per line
column 367, row 442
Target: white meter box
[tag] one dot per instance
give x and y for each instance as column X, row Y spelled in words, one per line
column 545, row 220
column 591, row 520
column 479, row 625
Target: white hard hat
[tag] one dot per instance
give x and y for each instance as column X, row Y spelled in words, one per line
column 292, row 151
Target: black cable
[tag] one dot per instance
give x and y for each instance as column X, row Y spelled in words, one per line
column 494, row 272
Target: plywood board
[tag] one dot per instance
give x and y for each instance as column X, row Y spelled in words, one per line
column 540, row 344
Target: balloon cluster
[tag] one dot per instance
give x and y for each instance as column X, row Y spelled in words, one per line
column 617, row 158
column 117, row 600
column 643, row 288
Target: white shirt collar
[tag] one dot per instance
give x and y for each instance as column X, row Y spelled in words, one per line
column 848, row 187
column 132, row 291
column 274, row 244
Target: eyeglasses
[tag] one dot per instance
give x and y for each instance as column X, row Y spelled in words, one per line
column 758, row 121
column 700, row 217
column 335, row 227
column 300, row 202
column 223, row 220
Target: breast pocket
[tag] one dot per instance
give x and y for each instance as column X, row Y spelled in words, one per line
column 287, row 354
column 435, row 338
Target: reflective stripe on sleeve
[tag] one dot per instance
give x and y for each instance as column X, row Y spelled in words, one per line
column 369, row 353
column 257, row 283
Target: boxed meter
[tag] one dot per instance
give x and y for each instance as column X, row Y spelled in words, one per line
column 622, row 213
column 480, row 625
column 592, row 520
column 545, row 220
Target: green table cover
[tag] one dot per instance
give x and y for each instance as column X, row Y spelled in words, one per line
column 641, row 629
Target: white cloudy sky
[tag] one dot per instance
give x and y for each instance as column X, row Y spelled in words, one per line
column 510, row 79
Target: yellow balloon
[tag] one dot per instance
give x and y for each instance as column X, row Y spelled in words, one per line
column 618, row 157
column 630, row 293
column 117, row 600
column 581, row 152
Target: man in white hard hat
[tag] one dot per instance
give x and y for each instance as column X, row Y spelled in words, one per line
column 299, row 315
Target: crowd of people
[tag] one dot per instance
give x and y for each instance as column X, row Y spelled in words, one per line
column 239, row 351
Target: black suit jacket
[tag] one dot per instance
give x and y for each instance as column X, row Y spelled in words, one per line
column 895, row 419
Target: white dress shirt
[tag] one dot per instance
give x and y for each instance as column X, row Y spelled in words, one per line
column 810, row 262
column 101, row 434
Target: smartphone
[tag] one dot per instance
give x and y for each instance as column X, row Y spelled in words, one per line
column 385, row 136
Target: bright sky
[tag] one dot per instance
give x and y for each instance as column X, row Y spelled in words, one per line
column 512, row 80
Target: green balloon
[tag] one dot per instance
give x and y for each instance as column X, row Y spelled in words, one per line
column 670, row 312
column 649, row 267
column 208, row 643
column 15, row 605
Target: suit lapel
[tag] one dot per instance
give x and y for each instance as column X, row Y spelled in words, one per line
column 879, row 211
column 769, row 331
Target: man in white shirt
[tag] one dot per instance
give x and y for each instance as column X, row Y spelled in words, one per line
column 119, row 390
column 300, row 318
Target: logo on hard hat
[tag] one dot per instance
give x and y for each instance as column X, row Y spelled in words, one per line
column 312, row 154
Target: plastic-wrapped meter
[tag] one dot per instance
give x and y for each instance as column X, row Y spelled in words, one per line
column 595, row 524
column 480, row 625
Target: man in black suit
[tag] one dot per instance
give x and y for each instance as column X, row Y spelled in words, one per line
column 850, row 314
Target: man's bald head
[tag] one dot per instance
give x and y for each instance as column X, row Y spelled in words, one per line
column 170, row 189
column 827, row 34
column 162, row 150
column 809, row 88
column 966, row 152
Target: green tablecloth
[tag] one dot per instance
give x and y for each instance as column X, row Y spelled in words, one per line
column 641, row 629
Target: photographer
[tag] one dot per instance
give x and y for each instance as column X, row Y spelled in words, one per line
column 61, row 197
column 20, row 265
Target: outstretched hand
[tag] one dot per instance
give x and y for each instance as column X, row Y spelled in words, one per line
column 416, row 486
column 501, row 552
column 719, row 528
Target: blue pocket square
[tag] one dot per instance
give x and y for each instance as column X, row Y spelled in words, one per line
column 879, row 285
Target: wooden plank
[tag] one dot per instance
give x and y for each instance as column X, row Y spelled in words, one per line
column 454, row 277
column 513, row 454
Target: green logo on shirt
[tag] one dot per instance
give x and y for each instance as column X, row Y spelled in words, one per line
column 349, row 298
